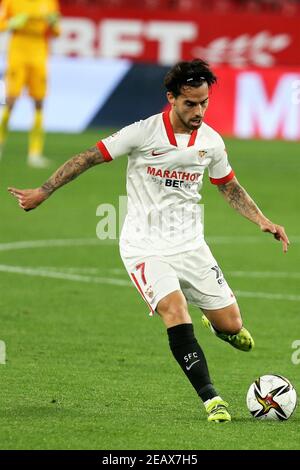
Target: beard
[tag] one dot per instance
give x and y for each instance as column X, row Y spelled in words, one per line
column 189, row 124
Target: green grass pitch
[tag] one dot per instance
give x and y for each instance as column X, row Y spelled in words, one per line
column 86, row 367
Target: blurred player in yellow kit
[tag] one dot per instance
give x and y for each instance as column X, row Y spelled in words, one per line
column 31, row 23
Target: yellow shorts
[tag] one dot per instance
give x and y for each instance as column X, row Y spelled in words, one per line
column 30, row 76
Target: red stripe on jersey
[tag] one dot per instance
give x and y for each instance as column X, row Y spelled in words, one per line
column 223, row 180
column 193, row 137
column 170, row 131
column 106, row 155
column 169, row 128
column 141, row 292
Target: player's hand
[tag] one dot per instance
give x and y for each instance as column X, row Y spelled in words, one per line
column 278, row 232
column 18, row 21
column 29, row 199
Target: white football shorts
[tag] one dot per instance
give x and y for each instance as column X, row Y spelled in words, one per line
column 196, row 273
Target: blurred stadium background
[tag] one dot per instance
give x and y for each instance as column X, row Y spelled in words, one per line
column 80, row 352
column 110, row 50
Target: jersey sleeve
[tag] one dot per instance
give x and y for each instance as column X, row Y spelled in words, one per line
column 219, row 170
column 123, row 142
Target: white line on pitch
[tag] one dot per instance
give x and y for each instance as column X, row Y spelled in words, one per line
column 27, row 244
column 76, row 270
column 265, row 274
column 60, row 275
column 218, row 240
column 120, row 282
column 122, row 271
column 266, row 295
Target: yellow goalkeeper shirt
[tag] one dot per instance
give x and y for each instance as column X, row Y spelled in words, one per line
column 31, row 41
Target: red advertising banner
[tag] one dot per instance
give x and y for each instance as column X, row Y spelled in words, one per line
column 256, row 103
column 164, row 37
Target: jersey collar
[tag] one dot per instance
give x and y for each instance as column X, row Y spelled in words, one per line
column 170, row 131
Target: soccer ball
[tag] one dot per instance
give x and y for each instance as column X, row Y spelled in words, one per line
column 271, row 397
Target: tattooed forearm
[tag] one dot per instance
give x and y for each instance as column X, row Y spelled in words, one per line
column 73, row 168
column 240, row 200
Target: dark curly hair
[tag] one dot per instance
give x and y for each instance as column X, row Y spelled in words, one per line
column 192, row 73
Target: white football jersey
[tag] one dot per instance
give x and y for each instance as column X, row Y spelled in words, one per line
column 164, row 178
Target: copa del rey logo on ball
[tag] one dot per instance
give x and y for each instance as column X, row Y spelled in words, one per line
column 271, row 397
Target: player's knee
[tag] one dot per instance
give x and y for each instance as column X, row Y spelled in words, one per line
column 178, row 315
column 10, row 102
column 173, row 312
column 38, row 104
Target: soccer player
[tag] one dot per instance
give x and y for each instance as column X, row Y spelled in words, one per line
column 162, row 244
column 31, row 23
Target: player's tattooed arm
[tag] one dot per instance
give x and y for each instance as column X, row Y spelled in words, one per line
column 72, row 168
column 240, row 200
column 31, row 198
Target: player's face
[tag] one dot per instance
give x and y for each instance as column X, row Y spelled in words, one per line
column 189, row 107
